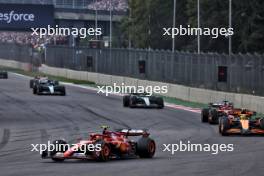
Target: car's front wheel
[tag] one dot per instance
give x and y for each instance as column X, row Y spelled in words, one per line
column 38, row 91
column 224, row 126
column 104, row 153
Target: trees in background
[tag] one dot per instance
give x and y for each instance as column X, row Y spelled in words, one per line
column 144, row 26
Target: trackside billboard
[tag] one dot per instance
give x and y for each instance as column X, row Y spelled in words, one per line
column 25, row 16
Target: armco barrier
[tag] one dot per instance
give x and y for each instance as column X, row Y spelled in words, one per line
column 177, row 91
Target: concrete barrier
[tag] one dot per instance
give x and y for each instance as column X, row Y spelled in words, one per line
column 118, row 80
column 255, row 103
column 103, row 79
column 15, row 64
column 131, row 81
column 93, row 77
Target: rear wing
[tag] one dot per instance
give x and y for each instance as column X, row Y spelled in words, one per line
column 134, row 132
column 238, row 111
column 224, row 103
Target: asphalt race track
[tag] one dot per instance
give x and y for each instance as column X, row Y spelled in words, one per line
column 28, row 119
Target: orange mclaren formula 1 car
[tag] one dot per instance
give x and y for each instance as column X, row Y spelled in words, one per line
column 241, row 121
column 212, row 113
column 104, row 146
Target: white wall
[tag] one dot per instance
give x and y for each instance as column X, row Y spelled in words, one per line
column 15, row 64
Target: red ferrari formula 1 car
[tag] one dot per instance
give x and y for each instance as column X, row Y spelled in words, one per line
column 241, row 121
column 212, row 113
column 105, row 146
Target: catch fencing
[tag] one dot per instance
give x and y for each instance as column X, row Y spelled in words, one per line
column 241, row 73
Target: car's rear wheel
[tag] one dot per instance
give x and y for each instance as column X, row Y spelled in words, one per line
column 6, row 75
column 262, row 123
column 219, row 126
column 204, row 115
column 59, row 146
column 126, row 100
column 34, row 90
column 160, row 102
column 146, row 147
column 63, row 91
column 213, row 117
column 104, row 153
column 31, row 83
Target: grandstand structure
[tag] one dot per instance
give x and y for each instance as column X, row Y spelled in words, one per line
column 83, row 13
column 118, row 5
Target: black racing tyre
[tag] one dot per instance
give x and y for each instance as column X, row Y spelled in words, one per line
column 146, row 147
column 126, row 100
column 38, row 92
column 6, row 75
column 262, row 123
column 160, row 102
column 44, row 154
column 213, row 119
column 31, row 83
column 132, row 102
column 224, row 126
column 60, row 146
column 104, row 154
column 34, row 90
column 204, row 115
column 219, row 125
column 63, row 91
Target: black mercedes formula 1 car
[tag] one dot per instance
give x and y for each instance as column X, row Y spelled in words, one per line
column 3, row 75
column 48, row 87
column 32, row 82
column 142, row 100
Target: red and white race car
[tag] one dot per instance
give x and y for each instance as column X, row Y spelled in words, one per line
column 105, row 146
column 212, row 113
